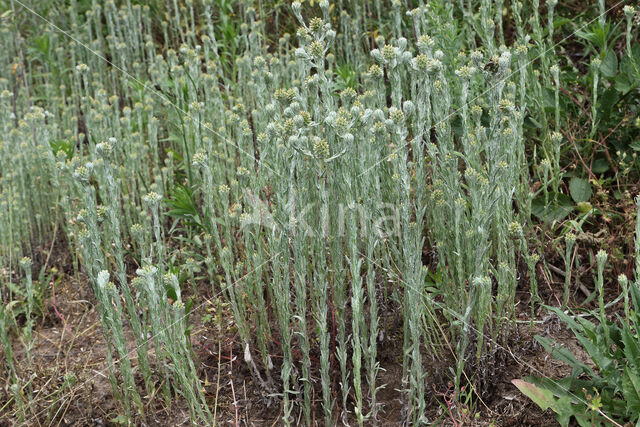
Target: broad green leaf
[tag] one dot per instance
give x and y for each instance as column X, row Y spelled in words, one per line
column 609, row 66
column 600, row 165
column 541, row 397
column 580, row 190
column 624, row 83
column 607, row 102
column 550, row 213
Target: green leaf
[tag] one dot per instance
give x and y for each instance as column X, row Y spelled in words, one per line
column 552, row 213
column 532, row 123
column 541, row 397
column 631, row 348
column 631, row 391
column 600, row 165
column 624, row 83
column 580, row 190
column 64, row 145
column 635, row 146
column 607, row 101
column 609, row 66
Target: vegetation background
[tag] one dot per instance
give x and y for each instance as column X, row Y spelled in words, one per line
column 266, row 212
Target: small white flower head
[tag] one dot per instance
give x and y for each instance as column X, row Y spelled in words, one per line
column 316, row 25
column 330, row 37
column 316, row 49
column 504, row 61
column 341, row 123
column 101, row 213
column 152, row 198
column 396, row 115
column 545, row 165
column 247, row 353
column 25, row 263
column 515, row 229
column 421, row 62
column 476, row 112
column 200, row 159
column 376, row 72
column 425, row 43
column 136, row 230
column 389, row 53
column 104, row 149
column 438, row 54
column 629, row 11
column 555, row 71
column 223, row 189
column 406, row 57
column 596, row 62
column 601, row 257
column 465, row 72
column 348, row 138
column 481, row 282
column 300, row 53
column 622, row 279
column 377, row 55
column 408, row 107
column 570, row 239
column 82, row 68
column 320, row 148
column 556, row 138
column 103, row 278
column 402, row 43
column 147, row 271
column 476, row 57
column 347, row 95
column 168, row 278
column 82, row 174
column 285, row 96
column 296, row 6
column 506, row 105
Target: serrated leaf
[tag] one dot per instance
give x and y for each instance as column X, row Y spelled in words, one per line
column 631, row 390
column 580, row 190
column 631, row 348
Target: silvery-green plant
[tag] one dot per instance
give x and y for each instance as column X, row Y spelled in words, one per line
column 570, row 241
column 322, row 170
column 111, row 314
column 26, row 263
